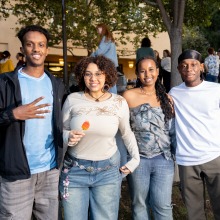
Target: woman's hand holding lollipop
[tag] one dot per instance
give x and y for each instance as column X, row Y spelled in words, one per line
column 75, row 136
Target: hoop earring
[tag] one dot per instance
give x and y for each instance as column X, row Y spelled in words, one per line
column 105, row 88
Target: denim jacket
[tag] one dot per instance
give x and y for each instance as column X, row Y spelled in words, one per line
column 107, row 49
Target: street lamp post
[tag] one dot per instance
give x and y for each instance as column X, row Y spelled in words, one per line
column 65, row 69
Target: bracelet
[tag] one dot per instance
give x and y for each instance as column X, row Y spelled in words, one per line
column 71, row 145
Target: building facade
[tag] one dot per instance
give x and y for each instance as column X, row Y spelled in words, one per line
column 54, row 61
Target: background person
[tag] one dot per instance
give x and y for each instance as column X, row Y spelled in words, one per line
column 151, row 118
column 145, row 49
column 90, row 177
column 30, row 133
column 197, row 115
column 6, row 64
column 212, row 66
column 121, row 81
column 218, row 54
column 73, row 84
column 158, row 59
column 20, row 58
column 106, row 48
column 166, row 69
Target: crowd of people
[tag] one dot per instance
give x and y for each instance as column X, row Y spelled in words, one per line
column 74, row 149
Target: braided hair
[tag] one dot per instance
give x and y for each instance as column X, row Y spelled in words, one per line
column 162, row 97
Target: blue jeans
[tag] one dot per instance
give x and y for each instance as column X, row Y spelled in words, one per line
column 90, row 189
column 151, row 188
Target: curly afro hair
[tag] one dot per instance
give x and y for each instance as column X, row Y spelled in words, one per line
column 161, row 94
column 29, row 28
column 103, row 63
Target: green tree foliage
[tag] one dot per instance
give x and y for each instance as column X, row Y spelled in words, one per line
column 193, row 38
column 4, row 9
column 212, row 33
column 123, row 17
column 200, row 12
column 176, row 13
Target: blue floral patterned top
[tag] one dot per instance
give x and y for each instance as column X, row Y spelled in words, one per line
column 153, row 135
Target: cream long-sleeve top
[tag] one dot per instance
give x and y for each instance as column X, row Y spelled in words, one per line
column 105, row 118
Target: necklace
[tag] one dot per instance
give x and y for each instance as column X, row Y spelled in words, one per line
column 147, row 93
column 96, row 99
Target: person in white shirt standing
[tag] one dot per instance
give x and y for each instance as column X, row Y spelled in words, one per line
column 197, row 115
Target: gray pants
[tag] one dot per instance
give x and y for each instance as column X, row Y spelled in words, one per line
column 193, row 180
column 37, row 195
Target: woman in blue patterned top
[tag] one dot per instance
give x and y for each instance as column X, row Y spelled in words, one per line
column 151, row 118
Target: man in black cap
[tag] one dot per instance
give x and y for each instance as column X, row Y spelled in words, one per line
column 197, row 112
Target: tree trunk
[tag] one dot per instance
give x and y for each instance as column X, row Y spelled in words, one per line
column 176, row 50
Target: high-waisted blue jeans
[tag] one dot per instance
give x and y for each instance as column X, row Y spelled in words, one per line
column 90, row 189
column 150, row 186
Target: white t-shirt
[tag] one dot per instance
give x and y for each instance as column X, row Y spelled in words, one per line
column 197, row 113
column 104, row 117
column 166, row 64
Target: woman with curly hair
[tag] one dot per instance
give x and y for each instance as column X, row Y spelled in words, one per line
column 91, row 176
column 151, row 118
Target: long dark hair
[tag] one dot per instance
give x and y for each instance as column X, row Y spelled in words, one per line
column 105, row 32
column 161, row 94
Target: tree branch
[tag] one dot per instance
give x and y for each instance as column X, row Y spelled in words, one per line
column 181, row 13
column 154, row 4
column 89, row 2
column 175, row 12
column 164, row 15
